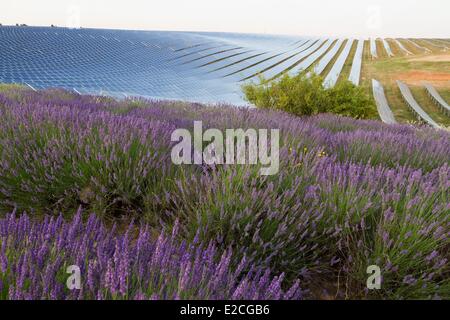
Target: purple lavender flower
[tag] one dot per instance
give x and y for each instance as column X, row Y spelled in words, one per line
column 195, row 267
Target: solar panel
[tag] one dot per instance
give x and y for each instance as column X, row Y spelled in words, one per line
column 383, row 108
column 402, row 47
column 323, row 63
column 306, row 63
column 436, row 97
column 281, row 65
column 194, row 66
column 355, row 72
column 110, row 61
column 266, row 64
column 387, row 47
column 373, row 48
column 333, row 76
column 418, row 46
column 415, row 107
column 436, row 45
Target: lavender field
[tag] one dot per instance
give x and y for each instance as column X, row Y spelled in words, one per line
column 89, row 181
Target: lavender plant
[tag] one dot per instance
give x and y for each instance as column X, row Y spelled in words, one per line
column 349, row 193
column 134, row 264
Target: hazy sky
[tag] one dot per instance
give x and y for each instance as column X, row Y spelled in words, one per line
column 360, row 18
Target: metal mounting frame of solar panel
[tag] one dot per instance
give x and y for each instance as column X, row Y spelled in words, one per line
column 437, row 98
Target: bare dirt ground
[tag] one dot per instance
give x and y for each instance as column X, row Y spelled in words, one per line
column 415, row 77
column 433, row 58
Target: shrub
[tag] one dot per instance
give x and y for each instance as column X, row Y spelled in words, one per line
column 305, row 95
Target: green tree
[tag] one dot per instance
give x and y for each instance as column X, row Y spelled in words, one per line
column 305, row 95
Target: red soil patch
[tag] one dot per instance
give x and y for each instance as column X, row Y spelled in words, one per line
column 416, row 77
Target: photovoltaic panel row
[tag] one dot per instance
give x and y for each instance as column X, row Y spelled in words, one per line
column 415, row 107
column 383, row 108
column 403, row 48
column 265, row 63
column 387, row 47
column 437, row 98
column 333, row 76
column 273, row 68
column 436, row 45
column 291, row 64
column 355, row 72
column 312, row 58
column 198, row 66
column 91, row 60
column 325, row 61
column 373, row 48
column 418, row 46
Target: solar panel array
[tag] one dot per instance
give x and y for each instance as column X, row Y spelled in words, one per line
column 402, row 47
column 445, row 43
column 424, row 45
column 194, row 66
column 291, row 64
column 415, row 107
column 441, row 46
column 313, row 57
column 112, row 62
column 418, row 46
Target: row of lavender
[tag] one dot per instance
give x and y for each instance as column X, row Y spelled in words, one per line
column 34, row 258
column 349, row 193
